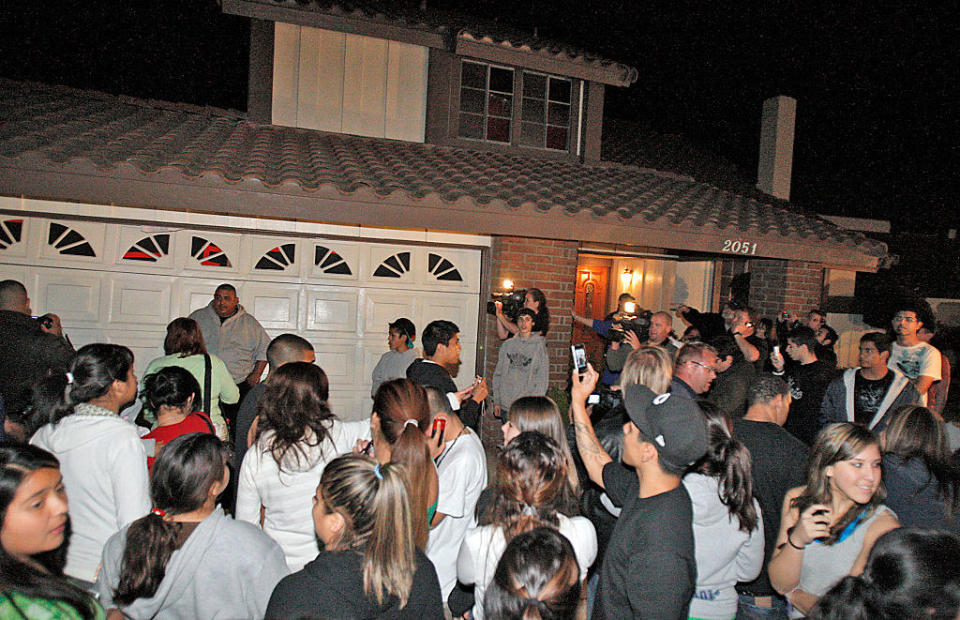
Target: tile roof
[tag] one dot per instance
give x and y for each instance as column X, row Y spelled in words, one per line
column 452, row 27
column 50, row 134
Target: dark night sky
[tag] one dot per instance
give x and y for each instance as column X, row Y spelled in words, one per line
column 877, row 132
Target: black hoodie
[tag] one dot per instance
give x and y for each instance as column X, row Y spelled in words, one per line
column 331, row 586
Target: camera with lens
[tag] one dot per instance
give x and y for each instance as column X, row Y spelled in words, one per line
column 604, row 398
column 630, row 320
column 45, row 321
column 512, row 301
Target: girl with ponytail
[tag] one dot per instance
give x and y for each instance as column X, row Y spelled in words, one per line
column 186, row 558
column 400, row 424
column 297, row 435
column 532, row 490
column 103, row 461
column 34, row 533
column 370, row 567
column 537, row 578
column 727, row 530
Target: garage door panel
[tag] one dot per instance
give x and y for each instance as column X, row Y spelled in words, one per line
column 391, row 264
column 333, row 260
column 350, row 405
column 332, row 310
column 208, row 251
column 74, row 294
column 141, row 301
column 339, row 362
column 384, row 307
column 456, row 308
column 276, row 307
column 450, row 268
column 196, row 293
column 146, row 347
column 73, row 241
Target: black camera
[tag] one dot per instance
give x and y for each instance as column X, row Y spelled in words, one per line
column 45, row 321
column 512, row 303
column 638, row 323
column 606, row 399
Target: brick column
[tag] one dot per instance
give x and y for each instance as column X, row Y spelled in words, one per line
column 550, row 266
column 778, row 285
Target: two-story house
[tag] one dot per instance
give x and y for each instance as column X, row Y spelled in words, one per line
column 389, row 165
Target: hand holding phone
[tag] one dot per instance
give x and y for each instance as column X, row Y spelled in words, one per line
column 579, row 354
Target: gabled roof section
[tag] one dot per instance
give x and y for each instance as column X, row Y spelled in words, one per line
column 466, row 36
column 58, row 143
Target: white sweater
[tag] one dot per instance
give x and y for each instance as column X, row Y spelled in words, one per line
column 104, row 469
column 287, row 495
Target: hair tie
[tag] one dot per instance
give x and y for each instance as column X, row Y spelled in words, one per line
column 69, row 378
column 376, row 472
column 158, row 512
column 411, row 421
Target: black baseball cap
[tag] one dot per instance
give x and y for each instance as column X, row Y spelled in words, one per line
column 672, row 423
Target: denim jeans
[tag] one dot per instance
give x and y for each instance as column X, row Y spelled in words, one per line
column 761, row 608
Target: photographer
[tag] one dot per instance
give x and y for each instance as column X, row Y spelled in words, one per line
column 534, row 300
column 624, row 331
column 29, row 347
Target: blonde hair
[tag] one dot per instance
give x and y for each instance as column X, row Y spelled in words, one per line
column 650, row 366
column 540, row 413
column 373, row 501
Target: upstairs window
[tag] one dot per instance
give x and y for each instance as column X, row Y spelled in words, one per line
column 486, row 102
column 541, row 119
column 546, row 112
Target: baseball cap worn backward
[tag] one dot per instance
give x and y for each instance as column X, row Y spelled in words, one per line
column 673, row 424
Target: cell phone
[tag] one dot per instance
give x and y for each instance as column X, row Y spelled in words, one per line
column 776, row 350
column 477, row 381
column 579, row 358
column 439, row 425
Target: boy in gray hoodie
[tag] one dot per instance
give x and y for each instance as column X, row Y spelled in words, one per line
column 523, row 368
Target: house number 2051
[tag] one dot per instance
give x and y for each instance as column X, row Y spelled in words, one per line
column 739, row 247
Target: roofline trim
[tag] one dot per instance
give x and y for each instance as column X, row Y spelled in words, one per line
column 612, row 74
column 349, row 25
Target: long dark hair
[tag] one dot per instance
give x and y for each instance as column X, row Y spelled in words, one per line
column 543, row 312
column 294, row 406
column 835, row 443
column 16, row 463
column 532, row 486
column 396, row 402
column 93, row 370
column 728, row 460
column 914, row 433
column 374, row 502
column 183, row 474
column 910, row 573
column 184, row 337
column 537, row 577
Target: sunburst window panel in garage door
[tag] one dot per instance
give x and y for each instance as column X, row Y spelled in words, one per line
column 394, row 266
column 70, row 240
column 280, row 258
column 149, row 249
column 11, row 237
column 208, row 253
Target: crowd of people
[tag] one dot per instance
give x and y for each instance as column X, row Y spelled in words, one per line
column 731, row 473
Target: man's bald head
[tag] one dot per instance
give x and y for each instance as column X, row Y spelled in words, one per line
column 287, row 348
column 13, row 296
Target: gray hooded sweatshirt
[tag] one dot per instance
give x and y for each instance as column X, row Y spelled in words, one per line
column 523, row 369
column 225, row 569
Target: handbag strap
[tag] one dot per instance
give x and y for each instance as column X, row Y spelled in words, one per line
column 207, row 371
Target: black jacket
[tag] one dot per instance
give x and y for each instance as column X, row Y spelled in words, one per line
column 27, row 354
column 431, row 374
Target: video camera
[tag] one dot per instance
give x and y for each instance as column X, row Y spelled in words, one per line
column 512, row 301
column 630, row 320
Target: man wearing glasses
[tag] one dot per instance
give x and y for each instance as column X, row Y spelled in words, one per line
column 695, row 370
column 916, row 359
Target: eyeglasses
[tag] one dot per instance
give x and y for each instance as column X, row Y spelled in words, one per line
column 702, row 365
column 905, row 319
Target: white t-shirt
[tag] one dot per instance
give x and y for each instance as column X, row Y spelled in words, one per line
column 483, row 546
column 462, row 471
column 919, row 360
column 287, row 495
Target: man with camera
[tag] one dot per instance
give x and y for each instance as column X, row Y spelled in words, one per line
column 30, row 347
column 624, row 330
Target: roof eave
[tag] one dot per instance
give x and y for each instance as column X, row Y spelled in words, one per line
column 169, row 190
column 315, row 19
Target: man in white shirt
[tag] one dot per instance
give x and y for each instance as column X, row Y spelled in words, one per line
column 462, row 469
column 916, row 359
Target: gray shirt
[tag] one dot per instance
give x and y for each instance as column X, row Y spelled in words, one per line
column 240, row 341
column 392, row 365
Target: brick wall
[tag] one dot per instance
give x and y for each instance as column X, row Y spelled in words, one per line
column 778, row 285
column 534, row 263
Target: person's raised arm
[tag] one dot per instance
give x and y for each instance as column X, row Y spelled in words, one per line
column 741, row 331
column 505, row 326
column 591, row 452
column 582, row 319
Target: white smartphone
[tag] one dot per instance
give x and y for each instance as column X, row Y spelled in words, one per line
column 579, row 358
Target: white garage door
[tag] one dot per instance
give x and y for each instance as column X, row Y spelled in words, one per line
column 122, row 283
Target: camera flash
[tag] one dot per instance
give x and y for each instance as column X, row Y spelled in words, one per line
column 508, row 284
column 629, row 307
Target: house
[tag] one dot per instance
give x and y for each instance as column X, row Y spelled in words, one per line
column 389, row 164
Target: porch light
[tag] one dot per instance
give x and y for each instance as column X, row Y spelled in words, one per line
column 508, row 285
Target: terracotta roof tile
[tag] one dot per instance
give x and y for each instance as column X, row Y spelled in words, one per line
column 65, row 127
